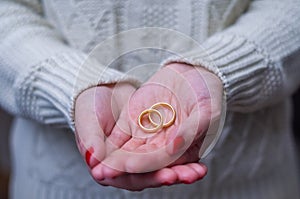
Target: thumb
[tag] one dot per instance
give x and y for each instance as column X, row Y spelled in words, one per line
column 89, row 134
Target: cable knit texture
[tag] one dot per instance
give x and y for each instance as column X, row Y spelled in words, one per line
column 248, row 57
column 253, row 46
column 46, row 74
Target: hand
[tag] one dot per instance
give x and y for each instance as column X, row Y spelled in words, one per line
column 186, row 88
column 94, row 121
column 95, row 118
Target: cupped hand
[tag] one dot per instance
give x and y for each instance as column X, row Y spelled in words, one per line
column 96, row 111
column 196, row 95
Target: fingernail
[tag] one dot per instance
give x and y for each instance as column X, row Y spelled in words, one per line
column 88, row 155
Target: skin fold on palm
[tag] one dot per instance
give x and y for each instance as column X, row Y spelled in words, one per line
column 120, row 153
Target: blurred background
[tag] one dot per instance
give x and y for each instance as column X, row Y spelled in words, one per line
column 5, row 124
column 296, row 122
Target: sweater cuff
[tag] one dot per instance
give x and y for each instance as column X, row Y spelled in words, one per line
column 237, row 62
column 47, row 94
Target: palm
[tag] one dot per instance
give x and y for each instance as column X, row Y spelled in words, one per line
column 121, row 148
column 186, row 91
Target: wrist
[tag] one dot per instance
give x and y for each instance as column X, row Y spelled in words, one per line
column 207, row 75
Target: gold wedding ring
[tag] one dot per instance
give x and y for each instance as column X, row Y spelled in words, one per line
column 162, row 123
column 156, row 126
column 163, row 104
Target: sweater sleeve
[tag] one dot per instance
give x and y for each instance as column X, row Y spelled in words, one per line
column 40, row 75
column 257, row 58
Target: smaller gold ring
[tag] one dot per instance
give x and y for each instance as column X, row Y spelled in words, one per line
column 171, row 121
column 157, row 126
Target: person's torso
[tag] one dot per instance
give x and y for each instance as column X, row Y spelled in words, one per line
column 85, row 23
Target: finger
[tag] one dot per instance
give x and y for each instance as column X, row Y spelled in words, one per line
column 138, row 161
column 102, row 171
column 189, row 156
column 91, row 158
column 140, row 157
column 90, row 135
column 112, row 168
column 116, row 139
column 119, row 136
column 200, row 168
column 138, row 182
column 106, row 110
column 189, row 173
column 191, row 129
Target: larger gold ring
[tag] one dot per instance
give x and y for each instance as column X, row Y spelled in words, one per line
column 171, row 121
column 157, row 126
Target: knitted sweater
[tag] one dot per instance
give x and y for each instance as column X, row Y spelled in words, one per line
column 253, row 47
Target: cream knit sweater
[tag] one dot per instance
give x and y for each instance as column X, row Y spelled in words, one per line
column 254, row 47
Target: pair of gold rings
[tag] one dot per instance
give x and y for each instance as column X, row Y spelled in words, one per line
column 157, row 125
